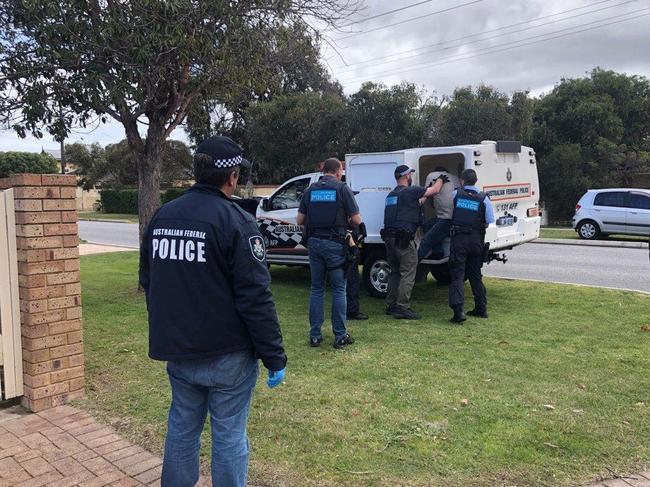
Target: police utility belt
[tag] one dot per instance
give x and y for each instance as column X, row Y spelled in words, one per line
column 459, row 229
column 401, row 237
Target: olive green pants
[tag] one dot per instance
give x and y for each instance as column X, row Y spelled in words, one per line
column 403, row 267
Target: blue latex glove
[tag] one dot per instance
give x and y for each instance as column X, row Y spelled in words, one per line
column 275, row 378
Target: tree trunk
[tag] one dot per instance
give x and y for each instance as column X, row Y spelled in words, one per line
column 149, row 164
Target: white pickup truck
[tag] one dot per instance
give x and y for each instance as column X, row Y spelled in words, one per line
column 506, row 170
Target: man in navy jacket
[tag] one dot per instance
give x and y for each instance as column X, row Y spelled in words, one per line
column 211, row 316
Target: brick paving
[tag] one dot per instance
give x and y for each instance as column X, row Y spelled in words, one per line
column 66, row 447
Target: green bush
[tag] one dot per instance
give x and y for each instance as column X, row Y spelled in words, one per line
column 119, row 201
column 172, row 194
column 126, row 200
column 26, row 162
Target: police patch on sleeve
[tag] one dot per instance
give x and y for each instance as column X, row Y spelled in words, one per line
column 257, row 247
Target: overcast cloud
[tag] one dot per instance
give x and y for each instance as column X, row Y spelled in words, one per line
column 624, row 46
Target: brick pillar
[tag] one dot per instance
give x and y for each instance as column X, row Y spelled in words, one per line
column 50, row 290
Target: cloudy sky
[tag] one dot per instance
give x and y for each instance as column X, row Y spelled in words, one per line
column 441, row 44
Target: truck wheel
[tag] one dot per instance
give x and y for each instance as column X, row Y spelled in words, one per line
column 375, row 273
column 588, row 230
column 441, row 273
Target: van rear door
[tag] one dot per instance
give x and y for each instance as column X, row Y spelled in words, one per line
column 372, row 177
column 509, row 177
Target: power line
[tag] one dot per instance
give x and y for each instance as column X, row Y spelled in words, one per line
column 379, row 58
column 477, row 40
column 386, row 13
column 410, row 20
column 492, row 50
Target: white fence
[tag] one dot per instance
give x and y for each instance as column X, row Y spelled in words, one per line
column 11, row 357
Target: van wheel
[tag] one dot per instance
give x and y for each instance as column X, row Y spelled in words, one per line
column 441, row 273
column 375, row 273
column 588, row 230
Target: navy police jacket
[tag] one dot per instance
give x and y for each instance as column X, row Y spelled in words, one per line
column 203, row 268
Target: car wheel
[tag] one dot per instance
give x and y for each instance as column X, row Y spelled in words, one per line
column 588, row 230
column 375, row 274
column 441, row 273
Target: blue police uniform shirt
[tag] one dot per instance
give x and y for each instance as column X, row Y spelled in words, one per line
column 203, row 268
column 489, row 210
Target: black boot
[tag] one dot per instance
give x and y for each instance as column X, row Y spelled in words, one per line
column 478, row 313
column 459, row 315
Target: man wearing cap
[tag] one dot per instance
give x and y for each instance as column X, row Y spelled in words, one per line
column 472, row 214
column 401, row 220
column 327, row 208
column 211, row 316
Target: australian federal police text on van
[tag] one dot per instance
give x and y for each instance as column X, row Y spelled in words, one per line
column 178, row 244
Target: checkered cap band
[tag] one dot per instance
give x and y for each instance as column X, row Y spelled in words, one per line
column 233, row 161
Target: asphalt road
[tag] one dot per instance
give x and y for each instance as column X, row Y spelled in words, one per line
column 622, row 268
column 110, row 233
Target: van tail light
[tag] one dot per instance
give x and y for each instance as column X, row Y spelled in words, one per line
column 578, row 207
column 532, row 212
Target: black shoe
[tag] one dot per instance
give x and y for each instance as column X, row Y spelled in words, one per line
column 315, row 342
column 405, row 314
column 390, row 309
column 478, row 314
column 343, row 341
column 459, row 316
column 357, row 316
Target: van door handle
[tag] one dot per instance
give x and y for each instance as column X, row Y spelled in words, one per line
column 634, row 212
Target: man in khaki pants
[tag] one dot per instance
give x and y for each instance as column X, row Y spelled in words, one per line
column 401, row 220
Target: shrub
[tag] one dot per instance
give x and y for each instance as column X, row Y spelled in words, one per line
column 26, row 162
column 172, row 194
column 119, row 201
column 126, row 200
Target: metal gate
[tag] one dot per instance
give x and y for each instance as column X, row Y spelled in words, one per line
column 11, row 356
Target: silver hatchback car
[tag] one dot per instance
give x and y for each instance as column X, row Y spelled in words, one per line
column 601, row 212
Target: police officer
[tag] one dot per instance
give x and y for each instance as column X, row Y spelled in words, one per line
column 352, row 285
column 211, row 315
column 401, row 219
column 327, row 208
column 473, row 212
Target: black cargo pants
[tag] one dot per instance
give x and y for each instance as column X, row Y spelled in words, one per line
column 466, row 258
column 352, row 288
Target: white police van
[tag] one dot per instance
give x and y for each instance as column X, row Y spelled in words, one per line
column 506, row 171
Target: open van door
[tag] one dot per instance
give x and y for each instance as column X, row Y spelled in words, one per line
column 372, row 177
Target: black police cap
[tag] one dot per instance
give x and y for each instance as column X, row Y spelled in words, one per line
column 224, row 151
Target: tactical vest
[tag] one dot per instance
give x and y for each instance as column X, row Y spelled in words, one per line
column 401, row 213
column 469, row 211
column 325, row 211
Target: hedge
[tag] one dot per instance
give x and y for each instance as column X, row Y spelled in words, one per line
column 171, row 194
column 26, row 162
column 126, row 200
column 119, row 201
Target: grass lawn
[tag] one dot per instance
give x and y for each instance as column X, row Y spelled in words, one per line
column 98, row 215
column 387, row 411
column 557, row 232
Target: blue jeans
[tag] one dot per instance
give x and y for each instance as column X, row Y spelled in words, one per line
column 326, row 258
column 434, row 236
column 224, row 386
